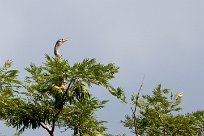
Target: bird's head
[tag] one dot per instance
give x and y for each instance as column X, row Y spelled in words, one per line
column 58, row 44
column 61, row 41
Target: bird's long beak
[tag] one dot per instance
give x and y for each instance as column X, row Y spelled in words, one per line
column 65, row 39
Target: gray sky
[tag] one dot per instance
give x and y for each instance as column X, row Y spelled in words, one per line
column 162, row 40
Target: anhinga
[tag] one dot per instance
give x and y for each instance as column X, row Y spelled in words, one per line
column 57, row 45
column 59, row 84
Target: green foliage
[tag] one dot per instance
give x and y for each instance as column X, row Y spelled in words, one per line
column 80, row 117
column 157, row 116
column 9, row 85
column 8, row 77
column 56, row 94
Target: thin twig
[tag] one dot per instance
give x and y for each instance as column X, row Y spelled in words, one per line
column 69, row 85
column 135, row 108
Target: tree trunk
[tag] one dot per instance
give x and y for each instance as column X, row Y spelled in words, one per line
column 51, row 134
column 50, row 131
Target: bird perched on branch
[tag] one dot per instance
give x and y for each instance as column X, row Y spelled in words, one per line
column 59, row 85
column 57, row 45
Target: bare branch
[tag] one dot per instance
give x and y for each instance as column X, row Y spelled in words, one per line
column 45, row 126
column 135, row 108
column 69, row 85
column 54, row 120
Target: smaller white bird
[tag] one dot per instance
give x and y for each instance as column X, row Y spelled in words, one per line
column 58, row 44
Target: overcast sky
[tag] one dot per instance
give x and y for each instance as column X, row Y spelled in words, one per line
column 161, row 39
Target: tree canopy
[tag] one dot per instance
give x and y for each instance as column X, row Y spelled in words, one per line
column 56, row 94
column 158, row 114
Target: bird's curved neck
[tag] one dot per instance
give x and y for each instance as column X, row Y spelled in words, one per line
column 56, row 52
